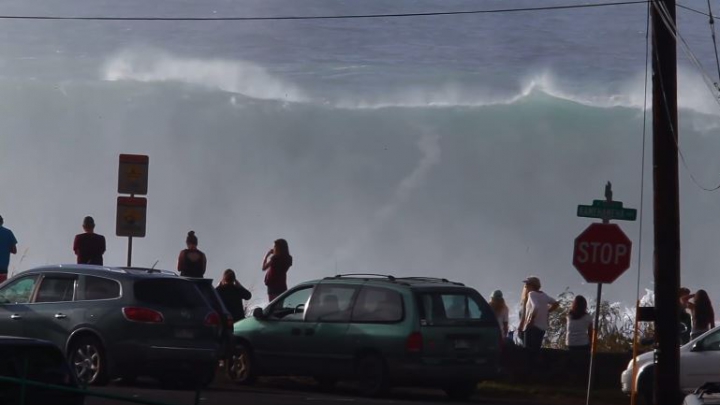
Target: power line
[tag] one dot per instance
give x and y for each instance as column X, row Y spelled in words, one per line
column 694, row 10
column 667, row 21
column 327, row 17
column 714, row 38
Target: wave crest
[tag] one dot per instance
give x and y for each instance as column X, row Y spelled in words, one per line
column 235, row 76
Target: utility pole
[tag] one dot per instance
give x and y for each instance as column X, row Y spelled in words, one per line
column 666, row 204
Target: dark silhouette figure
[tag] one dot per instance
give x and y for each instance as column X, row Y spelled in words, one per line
column 276, row 264
column 232, row 294
column 8, row 245
column 192, row 262
column 89, row 247
column 703, row 316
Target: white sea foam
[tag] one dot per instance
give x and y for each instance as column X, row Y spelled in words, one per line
column 235, row 76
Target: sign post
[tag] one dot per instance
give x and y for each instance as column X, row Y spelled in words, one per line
column 602, row 253
column 131, row 211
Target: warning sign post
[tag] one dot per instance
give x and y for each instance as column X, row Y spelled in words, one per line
column 132, row 211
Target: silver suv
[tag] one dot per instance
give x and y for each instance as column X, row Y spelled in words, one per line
column 116, row 322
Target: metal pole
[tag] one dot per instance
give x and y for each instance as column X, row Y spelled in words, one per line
column 129, row 252
column 593, row 347
column 666, row 204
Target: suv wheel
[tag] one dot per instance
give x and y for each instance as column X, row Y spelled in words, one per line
column 240, row 367
column 372, row 376
column 461, row 390
column 88, row 359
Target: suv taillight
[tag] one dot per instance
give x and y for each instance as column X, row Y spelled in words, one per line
column 212, row 319
column 414, row 343
column 146, row 315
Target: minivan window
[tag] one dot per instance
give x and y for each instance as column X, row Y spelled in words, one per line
column 19, row 291
column 292, row 306
column 100, row 288
column 378, row 305
column 174, row 293
column 454, row 308
column 331, row 303
column 56, row 289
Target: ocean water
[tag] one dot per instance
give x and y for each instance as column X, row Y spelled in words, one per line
column 454, row 146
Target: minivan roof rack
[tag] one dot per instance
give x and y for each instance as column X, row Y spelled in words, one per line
column 387, row 276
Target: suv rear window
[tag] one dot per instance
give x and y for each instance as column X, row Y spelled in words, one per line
column 174, row 293
column 454, row 308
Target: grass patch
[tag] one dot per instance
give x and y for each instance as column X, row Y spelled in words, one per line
column 550, row 394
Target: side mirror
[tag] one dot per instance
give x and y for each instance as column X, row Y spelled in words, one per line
column 697, row 347
column 258, row 313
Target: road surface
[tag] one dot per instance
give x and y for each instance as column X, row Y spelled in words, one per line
column 276, row 392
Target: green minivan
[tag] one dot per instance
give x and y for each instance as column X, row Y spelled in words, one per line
column 381, row 331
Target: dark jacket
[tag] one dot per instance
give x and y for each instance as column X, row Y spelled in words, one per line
column 232, row 296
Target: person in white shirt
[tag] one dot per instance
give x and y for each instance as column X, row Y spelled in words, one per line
column 579, row 326
column 536, row 314
column 497, row 303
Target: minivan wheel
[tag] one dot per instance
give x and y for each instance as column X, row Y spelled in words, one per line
column 88, row 359
column 372, row 376
column 240, row 367
column 461, row 390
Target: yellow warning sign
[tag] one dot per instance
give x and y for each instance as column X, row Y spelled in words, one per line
column 133, row 174
column 131, row 215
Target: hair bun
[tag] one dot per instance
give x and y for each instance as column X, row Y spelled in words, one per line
column 191, row 233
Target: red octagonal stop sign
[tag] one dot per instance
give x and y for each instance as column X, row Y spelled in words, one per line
column 602, row 253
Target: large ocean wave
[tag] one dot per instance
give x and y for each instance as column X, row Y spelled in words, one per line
column 251, row 80
column 479, row 187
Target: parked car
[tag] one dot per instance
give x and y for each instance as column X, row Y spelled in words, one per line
column 707, row 394
column 116, row 322
column 699, row 361
column 380, row 331
column 226, row 320
column 37, row 361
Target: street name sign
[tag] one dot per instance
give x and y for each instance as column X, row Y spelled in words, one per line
column 607, row 210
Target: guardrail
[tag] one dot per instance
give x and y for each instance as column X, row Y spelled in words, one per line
column 25, row 383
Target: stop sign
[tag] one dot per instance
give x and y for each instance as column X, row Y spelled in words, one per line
column 602, row 253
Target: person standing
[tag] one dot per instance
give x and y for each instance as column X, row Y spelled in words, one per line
column 579, row 326
column 497, row 303
column 8, row 245
column 537, row 313
column 232, row 294
column 703, row 316
column 192, row 262
column 685, row 318
column 89, row 246
column 276, row 264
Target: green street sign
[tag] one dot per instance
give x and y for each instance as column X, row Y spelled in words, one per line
column 607, row 212
column 607, row 204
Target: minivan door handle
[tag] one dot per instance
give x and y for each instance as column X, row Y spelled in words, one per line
column 15, row 316
column 309, row 332
column 60, row 316
column 295, row 331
